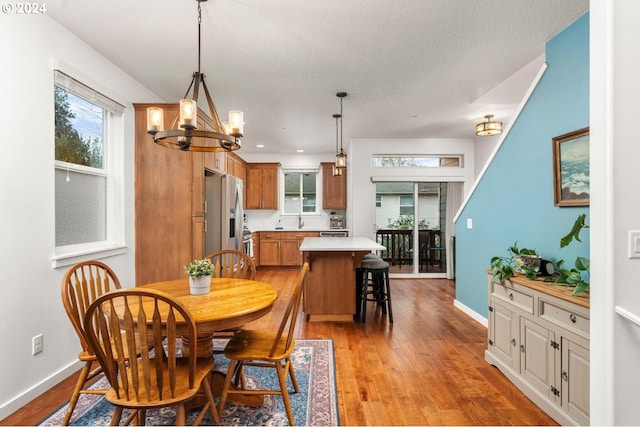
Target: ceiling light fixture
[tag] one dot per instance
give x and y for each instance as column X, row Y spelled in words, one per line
column 488, row 128
column 337, row 171
column 186, row 137
column 341, row 157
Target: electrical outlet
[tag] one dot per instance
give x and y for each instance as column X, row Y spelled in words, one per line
column 36, row 344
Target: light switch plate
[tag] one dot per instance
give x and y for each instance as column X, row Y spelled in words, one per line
column 469, row 223
column 634, row 243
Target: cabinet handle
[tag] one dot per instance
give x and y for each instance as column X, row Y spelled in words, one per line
column 522, row 348
column 513, row 342
column 565, row 376
column 573, row 318
column 511, row 297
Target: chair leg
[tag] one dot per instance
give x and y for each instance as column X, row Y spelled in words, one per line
column 180, row 415
column 387, row 286
column 227, row 384
column 282, row 378
column 117, row 414
column 84, row 373
column 292, row 374
column 206, row 384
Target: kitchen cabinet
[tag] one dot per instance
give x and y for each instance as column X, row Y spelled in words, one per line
column 262, row 186
column 282, row 248
column 169, row 200
column 539, row 338
column 334, row 188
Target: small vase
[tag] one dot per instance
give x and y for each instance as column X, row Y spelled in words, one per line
column 199, row 285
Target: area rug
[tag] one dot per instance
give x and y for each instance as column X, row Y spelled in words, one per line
column 314, row 405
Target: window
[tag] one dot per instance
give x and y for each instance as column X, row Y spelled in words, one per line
column 406, row 204
column 416, row 161
column 86, row 127
column 300, row 192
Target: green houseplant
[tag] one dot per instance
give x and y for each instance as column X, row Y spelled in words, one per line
column 577, row 276
column 199, row 272
column 524, row 261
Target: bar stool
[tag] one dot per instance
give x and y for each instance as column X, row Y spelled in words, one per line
column 375, row 285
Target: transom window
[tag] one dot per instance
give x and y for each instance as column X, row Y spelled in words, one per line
column 300, row 191
column 430, row 161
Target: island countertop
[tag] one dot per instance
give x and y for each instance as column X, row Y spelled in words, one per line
column 321, row 244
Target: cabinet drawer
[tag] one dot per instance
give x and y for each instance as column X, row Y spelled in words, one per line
column 270, row 236
column 512, row 296
column 569, row 319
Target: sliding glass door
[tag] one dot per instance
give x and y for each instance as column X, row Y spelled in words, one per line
column 411, row 222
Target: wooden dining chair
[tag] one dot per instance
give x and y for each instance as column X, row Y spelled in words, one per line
column 127, row 320
column 266, row 348
column 233, row 263
column 82, row 284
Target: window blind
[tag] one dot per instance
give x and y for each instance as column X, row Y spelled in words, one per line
column 83, row 91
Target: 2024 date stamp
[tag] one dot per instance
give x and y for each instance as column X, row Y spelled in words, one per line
column 24, row 8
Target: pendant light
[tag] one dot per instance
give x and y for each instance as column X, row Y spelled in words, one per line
column 337, row 171
column 341, row 157
column 186, row 136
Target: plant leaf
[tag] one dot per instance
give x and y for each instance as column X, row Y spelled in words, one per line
column 581, row 287
column 578, row 225
column 582, row 263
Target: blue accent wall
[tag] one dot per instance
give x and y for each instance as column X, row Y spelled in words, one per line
column 513, row 201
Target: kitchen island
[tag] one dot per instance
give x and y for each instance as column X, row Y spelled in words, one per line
column 330, row 284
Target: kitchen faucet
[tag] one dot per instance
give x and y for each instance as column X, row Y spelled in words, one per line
column 300, row 223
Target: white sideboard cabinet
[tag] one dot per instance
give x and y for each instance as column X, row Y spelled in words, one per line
column 539, row 339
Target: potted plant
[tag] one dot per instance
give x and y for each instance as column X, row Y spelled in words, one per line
column 578, row 276
column 199, row 272
column 524, row 261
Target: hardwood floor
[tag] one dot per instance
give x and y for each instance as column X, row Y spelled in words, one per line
column 427, row 368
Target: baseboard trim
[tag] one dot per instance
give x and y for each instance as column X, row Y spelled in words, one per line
column 475, row 316
column 27, row 396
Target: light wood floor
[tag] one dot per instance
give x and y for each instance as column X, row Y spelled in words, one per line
column 427, row 368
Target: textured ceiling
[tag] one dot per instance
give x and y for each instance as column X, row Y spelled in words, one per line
column 412, row 68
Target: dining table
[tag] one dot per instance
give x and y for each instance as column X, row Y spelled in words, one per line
column 230, row 303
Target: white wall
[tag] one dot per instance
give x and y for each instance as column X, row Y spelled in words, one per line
column 361, row 191
column 30, row 287
column 615, row 153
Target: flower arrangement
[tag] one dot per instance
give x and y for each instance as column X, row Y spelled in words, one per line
column 199, row 268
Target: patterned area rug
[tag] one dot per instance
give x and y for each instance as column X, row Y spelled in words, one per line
column 315, row 405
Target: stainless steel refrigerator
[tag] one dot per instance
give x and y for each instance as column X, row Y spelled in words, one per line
column 223, row 212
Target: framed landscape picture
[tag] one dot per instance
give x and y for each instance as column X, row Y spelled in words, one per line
column 571, row 168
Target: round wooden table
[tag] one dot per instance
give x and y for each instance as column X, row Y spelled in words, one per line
column 229, row 304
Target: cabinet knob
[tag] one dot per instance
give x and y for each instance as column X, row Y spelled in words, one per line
column 513, row 342
column 565, row 376
column 511, row 297
column 522, row 348
column 573, row 318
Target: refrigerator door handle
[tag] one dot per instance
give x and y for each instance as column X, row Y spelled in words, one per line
column 205, row 225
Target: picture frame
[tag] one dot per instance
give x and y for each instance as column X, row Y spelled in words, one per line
column 571, row 168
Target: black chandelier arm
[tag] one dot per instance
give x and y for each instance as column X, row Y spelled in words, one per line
column 226, row 142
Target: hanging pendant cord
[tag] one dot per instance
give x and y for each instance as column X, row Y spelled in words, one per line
column 341, row 124
column 199, row 22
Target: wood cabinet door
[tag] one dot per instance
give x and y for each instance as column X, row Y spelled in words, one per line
column 574, row 388
column 197, row 227
column 502, row 334
column 290, row 252
column 253, row 187
column 537, row 356
column 270, row 187
column 334, row 188
column 269, row 249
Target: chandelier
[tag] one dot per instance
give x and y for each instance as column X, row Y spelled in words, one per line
column 341, row 156
column 185, row 136
column 488, row 128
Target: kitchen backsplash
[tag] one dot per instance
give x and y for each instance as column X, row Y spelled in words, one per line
column 266, row 220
